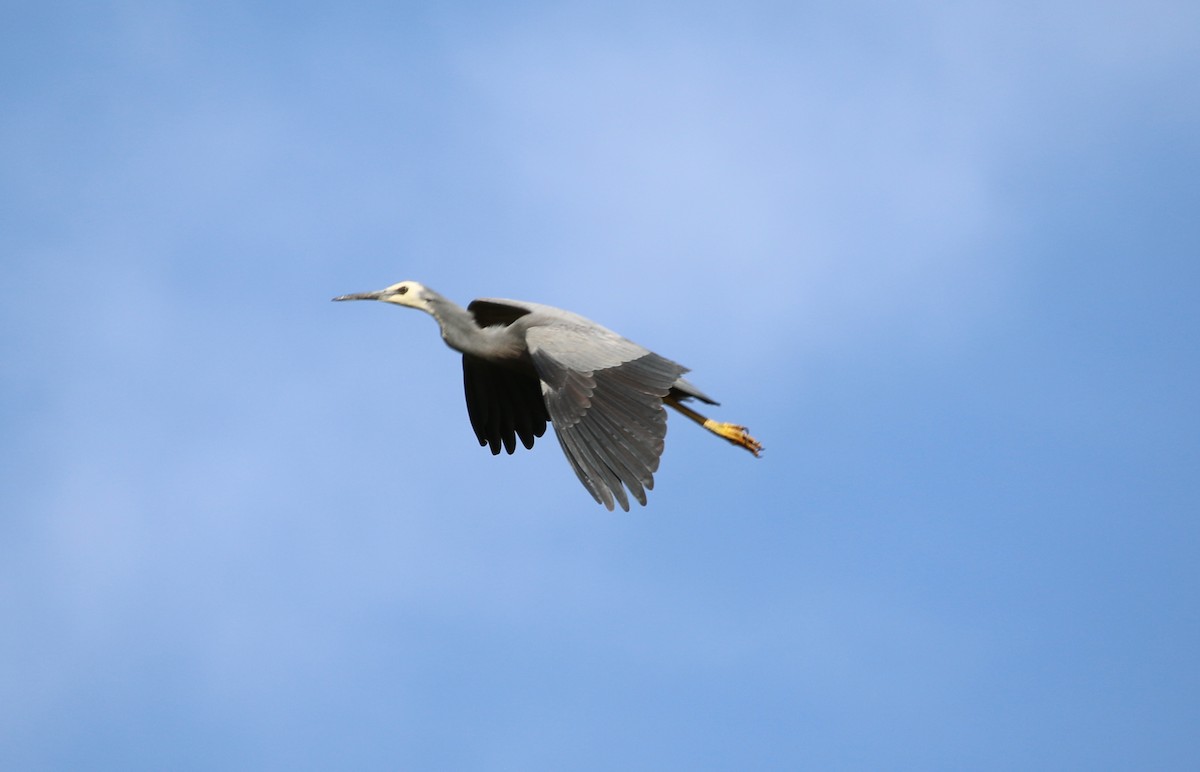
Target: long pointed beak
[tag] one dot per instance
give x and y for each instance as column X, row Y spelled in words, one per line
column 361, row 296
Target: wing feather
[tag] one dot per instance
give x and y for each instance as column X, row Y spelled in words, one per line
column 624, row 462
column 632, row 434
column 503, row 405
column 604, row 396
column 599, row 463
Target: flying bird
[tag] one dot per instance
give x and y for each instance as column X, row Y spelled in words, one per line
column 525, row 364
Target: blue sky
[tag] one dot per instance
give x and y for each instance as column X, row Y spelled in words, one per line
column 942, row 260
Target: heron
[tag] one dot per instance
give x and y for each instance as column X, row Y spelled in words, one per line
column 526, row 364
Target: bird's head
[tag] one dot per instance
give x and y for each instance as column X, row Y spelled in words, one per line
column 405, row 293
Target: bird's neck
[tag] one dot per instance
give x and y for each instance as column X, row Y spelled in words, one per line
column 462, row 333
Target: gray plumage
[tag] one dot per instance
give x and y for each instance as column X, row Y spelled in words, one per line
column 526, row 364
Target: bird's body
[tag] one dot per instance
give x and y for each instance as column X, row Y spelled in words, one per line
column 526, row 364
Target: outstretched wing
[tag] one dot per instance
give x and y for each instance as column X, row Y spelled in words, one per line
column 604, row 395
column 503, row 405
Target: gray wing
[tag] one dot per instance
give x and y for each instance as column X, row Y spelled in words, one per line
column 604, row 395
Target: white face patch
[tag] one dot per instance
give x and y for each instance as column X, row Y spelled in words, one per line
column 406, row 293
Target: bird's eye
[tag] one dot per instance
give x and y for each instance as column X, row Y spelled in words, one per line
column 402, row 290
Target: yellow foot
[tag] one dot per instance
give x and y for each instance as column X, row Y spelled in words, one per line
column 735, row 434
